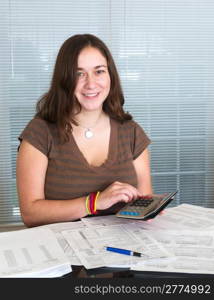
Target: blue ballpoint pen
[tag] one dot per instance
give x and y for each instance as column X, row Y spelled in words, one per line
column 124, row 251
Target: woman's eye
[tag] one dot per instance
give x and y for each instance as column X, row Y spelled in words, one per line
column 80, row 74
column 100, row 71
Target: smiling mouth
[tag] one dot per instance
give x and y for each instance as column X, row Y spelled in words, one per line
column 90, row 95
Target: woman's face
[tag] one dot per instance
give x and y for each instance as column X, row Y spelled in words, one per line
column 93, row 83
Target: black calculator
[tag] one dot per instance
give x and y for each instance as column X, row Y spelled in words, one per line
column 146, row 207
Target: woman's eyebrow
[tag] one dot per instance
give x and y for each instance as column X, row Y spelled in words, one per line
column 100, row 66
column 96, row 67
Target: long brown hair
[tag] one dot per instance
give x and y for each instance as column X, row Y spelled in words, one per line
column 57, row 105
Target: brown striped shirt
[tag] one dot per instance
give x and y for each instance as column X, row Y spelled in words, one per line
column 69, row 175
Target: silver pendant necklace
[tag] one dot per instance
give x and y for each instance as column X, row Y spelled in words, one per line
column 88, row 133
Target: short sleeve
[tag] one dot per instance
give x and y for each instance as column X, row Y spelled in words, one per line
column 140, row 140
column 37, row 134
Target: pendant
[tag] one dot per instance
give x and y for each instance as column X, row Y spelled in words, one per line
column 88, row 133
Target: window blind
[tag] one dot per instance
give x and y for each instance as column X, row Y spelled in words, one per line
column 164, row 53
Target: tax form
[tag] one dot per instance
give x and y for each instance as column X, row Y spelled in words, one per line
column 184, row 216
column 57, row 229
column 32, row 252
column 89, row 243
column 193, row 252
column 106, row 221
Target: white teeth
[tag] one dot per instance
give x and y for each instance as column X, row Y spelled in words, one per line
column 90, row 95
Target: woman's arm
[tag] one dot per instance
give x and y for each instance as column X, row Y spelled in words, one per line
column 35, row 209
column 142, row 167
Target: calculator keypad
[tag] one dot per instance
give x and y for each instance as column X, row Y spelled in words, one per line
column 142, row 202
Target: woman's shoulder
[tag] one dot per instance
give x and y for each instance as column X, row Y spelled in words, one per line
column 38, row 127
column 128, row 124
column 38, row 123
column 40, row 134
column 132, row 129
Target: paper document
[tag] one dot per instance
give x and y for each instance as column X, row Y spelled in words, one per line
column 106, row 221
column 193, row 217
column 184, row 216
column 193, row 252
column 179, row 240
column 57, row 229
column 89, row 243
column 32, row 252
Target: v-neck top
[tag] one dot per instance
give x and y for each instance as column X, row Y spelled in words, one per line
column 69, row 175
column 111, row 156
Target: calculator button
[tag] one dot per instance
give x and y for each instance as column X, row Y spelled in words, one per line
column 134, row 213
column 129, row 213
column 123, row 212
column 147, row 202
column 142, row 202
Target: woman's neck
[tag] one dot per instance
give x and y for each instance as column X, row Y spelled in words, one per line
column 89, row 118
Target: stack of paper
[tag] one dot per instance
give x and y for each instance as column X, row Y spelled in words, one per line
column 57, row 229
column 192, row 252
column 187, row 232
column 180, row 240
column 89, row 243
column 32, row 253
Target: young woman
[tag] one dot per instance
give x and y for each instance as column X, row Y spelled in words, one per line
column 81, row 154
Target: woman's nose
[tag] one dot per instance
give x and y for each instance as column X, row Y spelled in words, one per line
column 90, row 81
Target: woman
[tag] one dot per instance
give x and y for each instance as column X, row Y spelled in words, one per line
column 81, row 154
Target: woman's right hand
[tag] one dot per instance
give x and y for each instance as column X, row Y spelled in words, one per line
column 116, row 192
